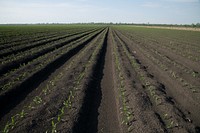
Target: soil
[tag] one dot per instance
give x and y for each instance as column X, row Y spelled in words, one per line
column 174, row 91
column 108, row 111
column 96, row 101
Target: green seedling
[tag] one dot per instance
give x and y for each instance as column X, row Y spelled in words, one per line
column 22, row 114
column 81, row 76
column 61, row 114
column 52, row 83
column 71, row 94
column 195, row 74
column 118, row 68
column 30, row 106
column 59, row 117
column 8, row 85
column 124, row 109
column 185, row 84
column 142, row 78
column 166, row 116
column 170, row 125
column 62, row 110
column 130, row 128
column 54, row 125
column 66, row 103
column 129, row 116
column 12, row 122
column 193, row 89
column 45, row 91
column 37, row 100
column 6, row 128
column 174, row 75
column 147, row 83
column 152, row 92
column 158, row 99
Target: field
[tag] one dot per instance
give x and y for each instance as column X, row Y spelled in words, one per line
column 99, row 78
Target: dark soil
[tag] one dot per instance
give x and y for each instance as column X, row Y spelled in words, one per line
column 97, row 103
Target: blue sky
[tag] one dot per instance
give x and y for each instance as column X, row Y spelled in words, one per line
column 74, row 11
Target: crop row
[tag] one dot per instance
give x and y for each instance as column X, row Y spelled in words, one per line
column 185, row 50
column 125, row 109
column 77, row 86
column 157, row 47
column 23, row 47
column 24, row 57
column 41, row 43
column 15, row 37
column 157, row 96
column 31, row 39
column 38, row 100
column 192, row 73
column 169, row 70
column 14, row 87
column 46, row 59
column 179, row 38
column 35, row 62
column 173, row 74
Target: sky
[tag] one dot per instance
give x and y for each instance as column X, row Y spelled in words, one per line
column 84, row 11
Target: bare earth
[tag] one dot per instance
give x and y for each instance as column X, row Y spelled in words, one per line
column 111, row 82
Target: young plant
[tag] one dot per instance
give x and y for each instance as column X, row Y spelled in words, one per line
column 54, row 125
column 37, row 100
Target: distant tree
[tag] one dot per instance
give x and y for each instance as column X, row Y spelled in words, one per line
column 193, row 25
column 198, row 25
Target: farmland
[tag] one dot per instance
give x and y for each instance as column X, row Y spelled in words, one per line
column 99, row 78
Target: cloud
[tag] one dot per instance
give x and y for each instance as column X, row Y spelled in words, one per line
column 34, row 12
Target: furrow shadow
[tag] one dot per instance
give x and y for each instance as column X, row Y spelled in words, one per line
column 87, row 121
